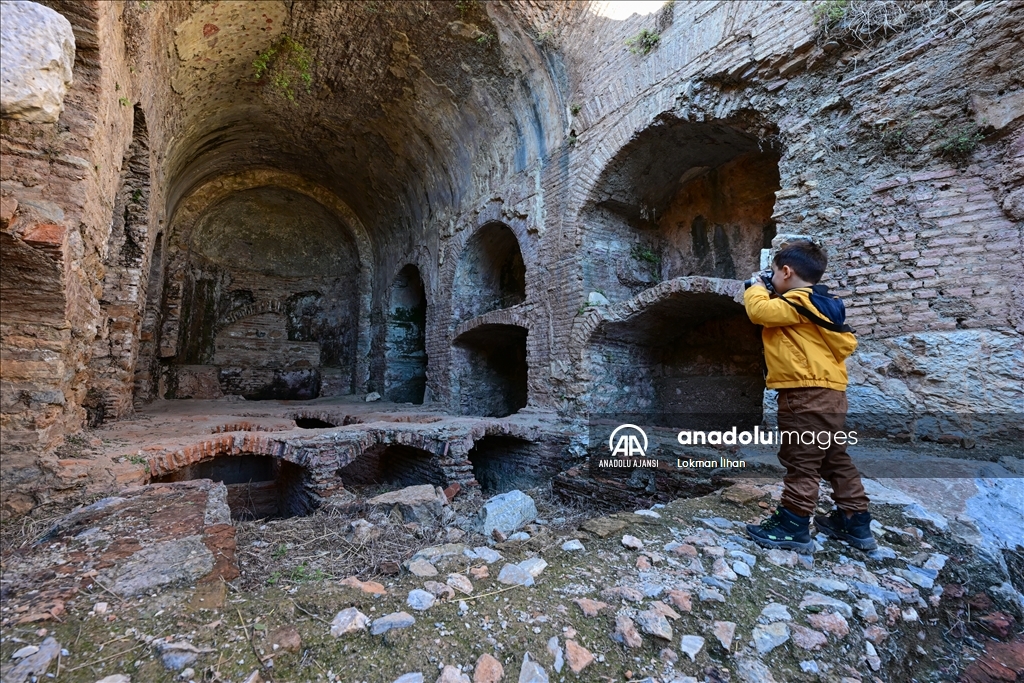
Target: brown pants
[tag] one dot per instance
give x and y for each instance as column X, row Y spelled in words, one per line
column 816, row 410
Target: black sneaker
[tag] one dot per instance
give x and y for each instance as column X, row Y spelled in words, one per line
column 855, row 530
column 783, row 530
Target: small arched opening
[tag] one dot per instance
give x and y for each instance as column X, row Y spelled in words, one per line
column 393, row 465
column 502, row 463
column 491, row 274
column 405, row 354
column 691, row 351
column 683, row 199
column 259, row 486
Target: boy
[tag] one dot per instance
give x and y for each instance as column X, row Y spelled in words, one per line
column 806, row 343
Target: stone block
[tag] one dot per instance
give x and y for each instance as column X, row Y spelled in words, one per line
column 506, row 512
column 39, row 54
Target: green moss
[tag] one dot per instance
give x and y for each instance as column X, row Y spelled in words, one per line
column 644, row 42
column 285, row 64
column 960, row 143
column 830, row 12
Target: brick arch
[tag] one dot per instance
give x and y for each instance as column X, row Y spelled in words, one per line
column 585, row 326
column 249, row 310
column 529, row 315
column 193, row 205
column 612, row 138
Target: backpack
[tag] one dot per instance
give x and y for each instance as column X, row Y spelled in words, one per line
column 831, row 306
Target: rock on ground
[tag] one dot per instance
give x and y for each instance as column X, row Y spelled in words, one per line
column 391, row 621
column 414, row 677
column 533, row 566
column 632, row 542
column 451, row 674
column 421, row 503
column 807, row 638
column 531, row 671
column 460, row 583
column 507, row 512
column 34, row 663
column 691, row 645
column 488, row 669
column 420, row 600
column 577, row 656
column 724, row 631
column 514, row 575
column 654, row 623
column 556, row 653
column 347, row 621
column 753, row 671
column 422, row 568
column 830, row 623
column 815, row 600
column 590, row 607
column 767, row 638
column 625, row 632
column 371, row 587
column 775, row 611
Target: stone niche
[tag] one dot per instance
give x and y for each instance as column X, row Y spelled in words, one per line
column 405, row 355
column 491, row 274
column 682, row 199
column 490, row 377
column 269, row 302
column 393, row 465
column 502, row 463
column 692, row 352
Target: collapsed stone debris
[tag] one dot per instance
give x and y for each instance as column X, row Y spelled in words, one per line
column 313, row 317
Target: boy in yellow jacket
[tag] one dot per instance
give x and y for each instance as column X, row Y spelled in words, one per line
column 806, row 343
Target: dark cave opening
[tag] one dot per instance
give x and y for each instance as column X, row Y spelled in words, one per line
column 259, row 486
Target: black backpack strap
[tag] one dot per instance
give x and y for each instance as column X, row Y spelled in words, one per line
column 816, row 319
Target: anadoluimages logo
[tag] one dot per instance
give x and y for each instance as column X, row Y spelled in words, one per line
column 628, row 443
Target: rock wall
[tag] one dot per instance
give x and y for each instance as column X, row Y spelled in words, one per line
column 551, row 188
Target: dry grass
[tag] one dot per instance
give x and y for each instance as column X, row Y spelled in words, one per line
column 319, row 546
column 860, row 22
column 24, row 530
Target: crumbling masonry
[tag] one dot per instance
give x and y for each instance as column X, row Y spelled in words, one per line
column 495, row 212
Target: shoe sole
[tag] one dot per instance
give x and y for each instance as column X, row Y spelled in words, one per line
column 802, row 548
column 855, row 542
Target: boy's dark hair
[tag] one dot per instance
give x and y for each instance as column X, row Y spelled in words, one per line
column 804, row 257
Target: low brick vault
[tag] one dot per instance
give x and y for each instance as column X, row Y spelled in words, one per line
column 510, row 215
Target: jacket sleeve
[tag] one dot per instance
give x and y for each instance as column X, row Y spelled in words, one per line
column 763, row 310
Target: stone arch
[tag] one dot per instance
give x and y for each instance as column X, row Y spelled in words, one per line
column 394, row 465
column 527, row 315
column 490, row 274
column 186, row 217
column 405, row 353
column 682, row 198
column 682, row 346
column 260, row 481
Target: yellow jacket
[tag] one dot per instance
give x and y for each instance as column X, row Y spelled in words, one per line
column 798, row 352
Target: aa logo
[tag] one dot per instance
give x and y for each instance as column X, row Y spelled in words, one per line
column 628, row 443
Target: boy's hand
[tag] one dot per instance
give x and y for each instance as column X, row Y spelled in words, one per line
column 755, row 277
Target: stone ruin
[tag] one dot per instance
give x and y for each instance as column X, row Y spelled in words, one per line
column 303, row 247
column 512, row 213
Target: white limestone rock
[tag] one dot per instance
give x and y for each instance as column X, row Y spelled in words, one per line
column 39, row 54
column 506, row 512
